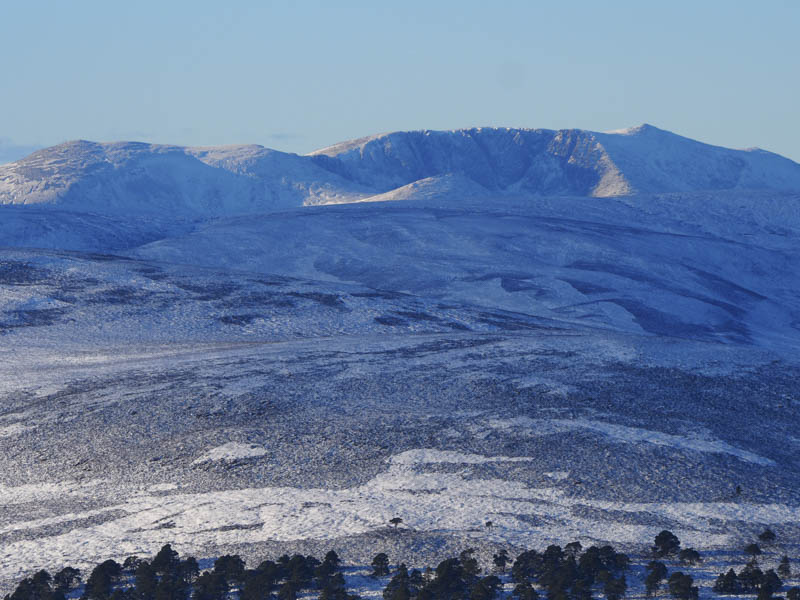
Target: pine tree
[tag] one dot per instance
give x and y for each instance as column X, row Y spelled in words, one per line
column 334, row 588
column 666, row 544
column 98, row 586
column 785, row 568
column 751, row 578
column 727, row 583
column 767, row 536
column 681, row 586
column 615, row 588
column 753, row 550
column 772, row 581
column 469, row 563
column 380, row 565
column 525, row 591
column 398, row 587
column 573, row 549
column 656, row 573
column 66, row 578
column 689, row 556
column 166, row 560
column 501, row 559
column 145, row 581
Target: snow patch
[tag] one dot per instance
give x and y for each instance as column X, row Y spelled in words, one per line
column 14, row 429
column 162, row 487
column 231, row 451
column 692, row 441
column 39, row 492
column 430, row 456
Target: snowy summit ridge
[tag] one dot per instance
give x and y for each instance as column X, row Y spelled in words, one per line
column 131, row 177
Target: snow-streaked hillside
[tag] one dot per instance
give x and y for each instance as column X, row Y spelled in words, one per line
column 316, row 430
column 642, row 159
column 242, row 350
column 136, row 178
column 699, row 266
column 47, row 298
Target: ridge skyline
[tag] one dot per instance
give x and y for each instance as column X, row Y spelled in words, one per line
column 633, row 129
column 136, row 177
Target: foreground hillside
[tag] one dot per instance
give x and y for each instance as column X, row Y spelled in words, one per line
column 226, row 412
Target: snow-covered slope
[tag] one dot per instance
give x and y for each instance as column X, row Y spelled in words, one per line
column 642, row 159
column 654, row 160
column 49, row 227
column 136, row 178
column 713, row 266
column 536, row 161
column 145, row 403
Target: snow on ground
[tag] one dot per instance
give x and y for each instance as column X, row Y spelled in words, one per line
column 39, row 492
column 162, row 487
column 690, row 440
column 136, row 178
column 427, row 501
column 565, row 368
column 13, row 429
column 430, row 456
column 698, row 266
column 382, row 426
column 231, row 451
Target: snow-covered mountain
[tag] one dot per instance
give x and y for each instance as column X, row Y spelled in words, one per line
column 642, row 159
column 457, row 331
column 135, row 178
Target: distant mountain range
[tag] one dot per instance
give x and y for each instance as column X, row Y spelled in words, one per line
column 133, row 178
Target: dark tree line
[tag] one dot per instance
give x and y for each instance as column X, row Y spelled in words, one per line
column 749, row 580
column 569, row 573
column 168, row 577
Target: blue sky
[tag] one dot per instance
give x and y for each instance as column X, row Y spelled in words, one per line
column 301, row 75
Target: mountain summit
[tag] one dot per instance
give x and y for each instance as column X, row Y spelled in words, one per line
column 129, row 177
column 641, row 159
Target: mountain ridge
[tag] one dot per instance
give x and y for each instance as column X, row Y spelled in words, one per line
column 136, row 177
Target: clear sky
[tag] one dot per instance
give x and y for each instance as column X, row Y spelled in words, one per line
column 299, row 75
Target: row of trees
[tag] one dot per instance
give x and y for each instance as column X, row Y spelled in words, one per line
column 168, row 577
column 569, row 573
